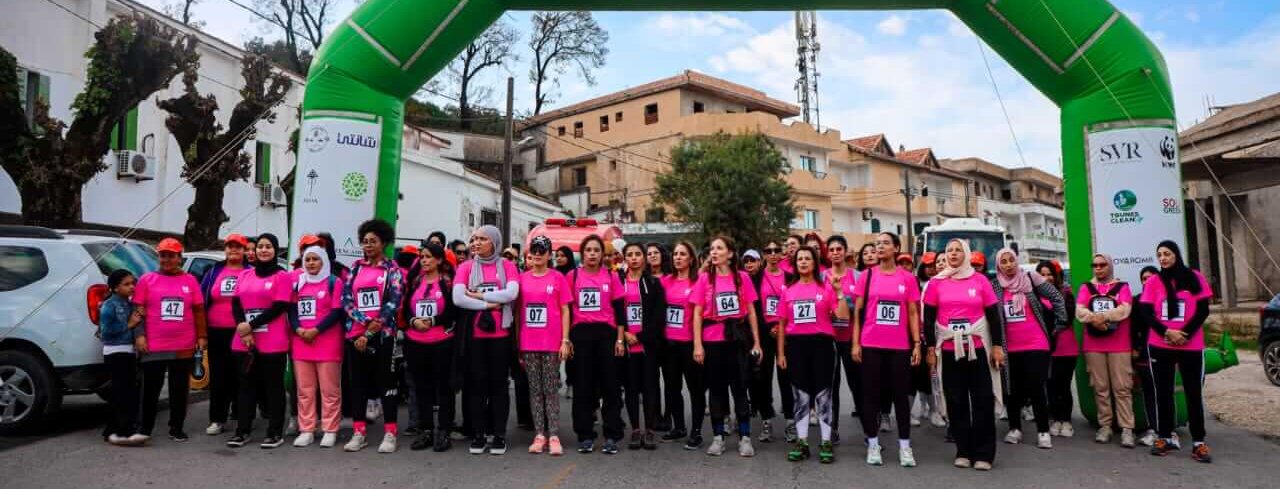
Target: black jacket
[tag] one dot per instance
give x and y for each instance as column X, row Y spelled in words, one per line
column 653, row 304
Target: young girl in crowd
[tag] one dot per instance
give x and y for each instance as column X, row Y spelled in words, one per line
column 771, row 284
column 264, row 295
column 681, row 367
column 316, row 347
column 839, row 273
column 1066, row 352
column 371, row 299
column 1103, row 309
column 645, row 311
column 117, row 322
column 597, row 342
column 429, row 314
column 544, row 304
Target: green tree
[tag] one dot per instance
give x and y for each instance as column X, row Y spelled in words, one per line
column 729, row 185
column 212, row 157
column 130, row 59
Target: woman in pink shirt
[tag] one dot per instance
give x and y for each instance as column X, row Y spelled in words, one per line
column 680, row 367
column 544, row 341
column 597, row 342
column 837, row 249
column 723, row 322
column 807, row 350
column 1103, row 309
column 771, row 283
column 316, row 346
column 427, row 318
column 1066, row 353
column 218, row 287
column 963, row 324
column 645, row 314
column 261, row 305
column 886, row 344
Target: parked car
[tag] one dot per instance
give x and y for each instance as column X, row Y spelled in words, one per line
column 198, row 262
column 1269, row 342
column 51, row 284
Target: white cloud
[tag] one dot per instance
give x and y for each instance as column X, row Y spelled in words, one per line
column 895, row 25
column 1135, row 16
column 1236, row 71
column 699, row 25
column 1192, row 16
column 956, row 28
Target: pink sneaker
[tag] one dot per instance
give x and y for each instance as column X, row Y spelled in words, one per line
column 556, row 449
column 539, row 442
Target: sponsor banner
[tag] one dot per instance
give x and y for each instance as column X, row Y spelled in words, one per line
column 336, row 181
column 1136, row 191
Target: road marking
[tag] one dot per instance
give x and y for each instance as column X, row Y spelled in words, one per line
column 560, row 478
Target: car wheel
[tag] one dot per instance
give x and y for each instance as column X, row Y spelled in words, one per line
column 28, row 394
column 1271, row 362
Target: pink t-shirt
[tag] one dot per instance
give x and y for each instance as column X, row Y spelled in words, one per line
column 167, row 302
column 886, row 323
column 721, row 302
column 256, row 295
column 843, row 329
column 785, row 265
column 960, row 303
column 1022, row 329
column 224, row 288
column 679, row 312
column 594, row 295
column 1154, row 293
column 807, row 308
column 368, row 288
column 314, row 302
column 541, row 300
column 427, row 301
column 489, row 283
column 1117, row 341
column 772, row 287
column 634, row 312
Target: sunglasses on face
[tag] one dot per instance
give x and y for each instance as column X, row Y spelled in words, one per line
column 749, row 260
column 1099, row 265
column 772, row 251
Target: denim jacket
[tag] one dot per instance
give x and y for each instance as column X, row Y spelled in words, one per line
column 114, row 321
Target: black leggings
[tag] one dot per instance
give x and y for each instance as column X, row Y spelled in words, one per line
column 726, row 375
column 123, row 368
column 1165, row 363
column 431, row 367
column 488, row 397
column 886, row 371
column 1028, row 373
column 852, row 377
column 1060, row 374
column 372, row 375
column 762, row 381
column 1142, row 367
column 970, row 405
column 153, row 379
column 680, row 366
column 641, row 387
column 810, row 364
column 224, row 379
column 596, row 381
column 261, row 374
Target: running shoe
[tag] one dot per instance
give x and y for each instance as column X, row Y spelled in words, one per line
column 238, row 441
column 389, row 443
column 1044, row 441
column 1173, row 440
column 423, row 441
column 636, row 442
column 1161, row 447
column 961, row 463
column 139, row 439
column 1055, row 428
column 826, row 452
column 873, row 455
column 982, row 466
column 271, row 441
column 717, row 446
column 650, row 440
column 329, row 440
column 1148, row 438
column 556, row 449
column 178, row 435
column 1014, row 437
column 443, row 442
column 766, row 432
column 906, row 457
column 1104, row 435
column 477, row 446
column 744, row 447
column 358, row 442
column 498, row 446
column 694, row 442
column 1200, row 453
column 586, row 446
column 1126, row 438
column 304, row 440
column 673, row 436
column 938, row 420
column 610, row 447
column 1067, row 430
column 214, row 429
column 789, row 433
column 539, row 442
column 799, row 452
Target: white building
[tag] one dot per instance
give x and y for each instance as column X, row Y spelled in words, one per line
column 49, row 43
column 1026, row 202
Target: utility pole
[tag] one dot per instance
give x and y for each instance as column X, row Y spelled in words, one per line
column 506, row 166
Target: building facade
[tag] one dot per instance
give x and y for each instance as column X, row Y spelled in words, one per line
column 1026, row 202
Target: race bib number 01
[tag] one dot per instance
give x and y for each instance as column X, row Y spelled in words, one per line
column 228, row 286
column 425, row 309
column 1181, row 313
column 675, row 317
column 252, row 314
column 307, row 308
column 727, row 304
column 589, row 300
column 804, row 312
column 888, row 313
column 172, row 309
column 771, row 305
column 535, row 315
column 368, row 299
column 635, row 315
column 1014, row 315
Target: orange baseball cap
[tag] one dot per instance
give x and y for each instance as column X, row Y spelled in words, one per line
column 977, row 259
column 929, row 258
column 236, row 238
column 169, row 244
column 904, row 258
column 309, row 240
column 411, row 249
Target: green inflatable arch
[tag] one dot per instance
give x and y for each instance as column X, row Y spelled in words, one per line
column 1093, row 62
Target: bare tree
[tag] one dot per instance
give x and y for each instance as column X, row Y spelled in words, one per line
column 561, row 41
column 492, row 48
column 184, row 11
column 301, row 23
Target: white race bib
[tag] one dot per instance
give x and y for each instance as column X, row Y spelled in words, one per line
column 675, row 317
column 1181, row 312
column 888, row 313
column 368, row 299
column 960, row 326
column 771, row 305
column 172, row 309
column 727, row 304
column 425, row 308
column 486, row 288
column 589, row 300
column 228, row 286
column 804, row 312
column 307, row 308
column 252, row 314
column 635, row 315
column 535, row 315
column 1102, row 304
column 1014, row 315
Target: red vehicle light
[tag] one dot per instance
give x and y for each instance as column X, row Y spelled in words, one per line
column 97, row 294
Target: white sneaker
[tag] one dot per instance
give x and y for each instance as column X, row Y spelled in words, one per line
column 873, row 455
column 1044, row 441
column 117, row 440
column 1055, row 428
column 766, row 431
column 304, row 440
column 744, row 447
column 915, row 421
column 213, row 429
column 388, row 444
column 1104, row 435
column 906, row 457
column 717, row 446
column 937, row 420
column 139, row 439
column 1175, row 441
column 1126, row 438
column 1067, row 430
column 329, row 440
column 1014, row 437
column 357, row 443
column 789, row 434
column 1148, row 438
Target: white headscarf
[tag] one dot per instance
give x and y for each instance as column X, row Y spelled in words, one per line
column 964, row 271
column 325, row 271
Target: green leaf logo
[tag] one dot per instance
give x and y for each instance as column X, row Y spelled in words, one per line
column 355, row 185
column 1125, row 200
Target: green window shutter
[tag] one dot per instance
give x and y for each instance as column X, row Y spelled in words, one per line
column 262, row 160
column 131, row 129
column 22, row 90
column 43, row 89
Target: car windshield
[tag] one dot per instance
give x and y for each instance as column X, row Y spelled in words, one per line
column 130, row 256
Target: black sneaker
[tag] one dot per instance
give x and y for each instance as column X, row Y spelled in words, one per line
column 271, row 441
column 477, row 445
column 443, row 442
column 664, row 424
column 610, row 447
column 238, row 441
column 411, row 431
column 637, row 441
column 178, row 435
column 694, row 442
column 424, row 441
column 586, row 446
column 498, row 446
column 673, row 436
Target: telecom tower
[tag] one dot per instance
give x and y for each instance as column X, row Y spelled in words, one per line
column 807, row 61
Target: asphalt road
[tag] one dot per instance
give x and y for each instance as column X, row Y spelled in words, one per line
column 73, row 455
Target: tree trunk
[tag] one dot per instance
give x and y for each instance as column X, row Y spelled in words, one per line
column 464, row 109
column 53, row 204
column 205, row 216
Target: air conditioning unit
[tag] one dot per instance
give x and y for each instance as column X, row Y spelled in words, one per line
column 867, row 215
column 273, row 195
column 135, row 165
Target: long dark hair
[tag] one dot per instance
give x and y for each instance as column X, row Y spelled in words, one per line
column 444, row 269
column 692, row 273
column 1057, row 274
column 733, row 263
column 666, row 267
column 568, row 267
column 823, row 259
column 861, row 264
column 644, row 263
column 795, row 275
column 1177, row 277
column 583, row 247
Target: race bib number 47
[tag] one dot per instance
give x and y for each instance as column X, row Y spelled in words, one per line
column 172, row 309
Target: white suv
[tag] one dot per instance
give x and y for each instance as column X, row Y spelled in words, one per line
column 51, row 283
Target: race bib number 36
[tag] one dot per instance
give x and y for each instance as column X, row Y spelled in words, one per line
column 172, row 309
column 727, row 304
column 368, row 299
column 635, row 315
column 589, row 300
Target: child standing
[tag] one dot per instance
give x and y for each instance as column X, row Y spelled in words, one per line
column 117, row 319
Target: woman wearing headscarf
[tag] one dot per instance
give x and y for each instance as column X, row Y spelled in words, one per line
column 261, row 305
column 316, row 320
column 1175, row 304
column 1103, row 308
column 485, row 288
column 963, row 324
column 1033, row 314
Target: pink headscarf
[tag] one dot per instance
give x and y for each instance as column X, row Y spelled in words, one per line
column 964, row 271
column 1019, row 284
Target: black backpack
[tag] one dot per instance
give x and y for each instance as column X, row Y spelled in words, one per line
column 1110, row 295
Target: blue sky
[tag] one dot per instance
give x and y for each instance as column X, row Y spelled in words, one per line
column 916, row 76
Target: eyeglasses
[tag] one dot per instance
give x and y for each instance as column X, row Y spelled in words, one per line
column 370, row 242
column 1099, row 265
column 772, row 251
